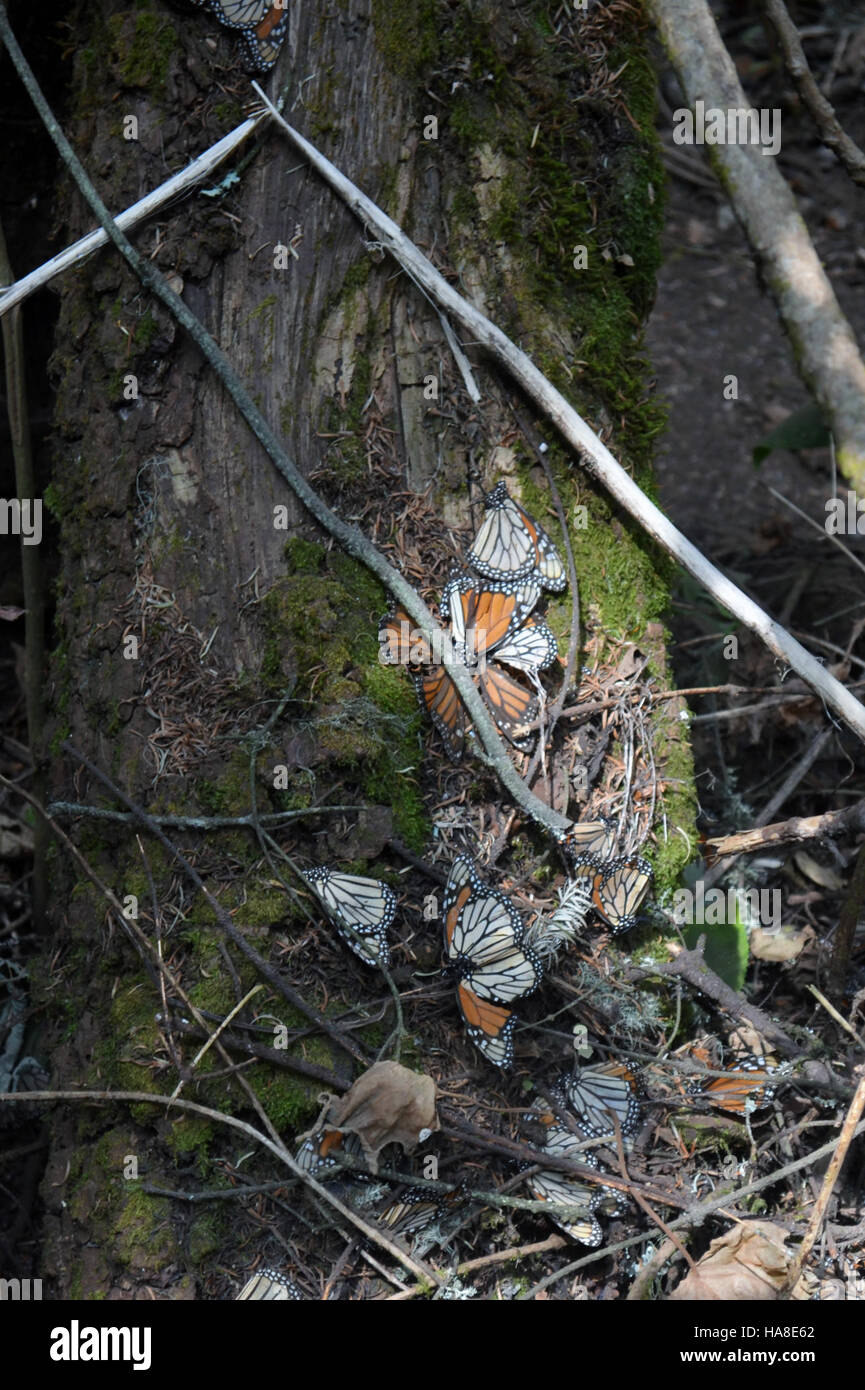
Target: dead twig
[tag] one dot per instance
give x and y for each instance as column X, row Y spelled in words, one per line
column 824, row 345
column 272, row 976
column 822, row 112
column 797, row 830
column 690, row 966
column 845, row 1139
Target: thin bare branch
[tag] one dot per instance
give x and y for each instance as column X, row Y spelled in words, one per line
column 822, row 112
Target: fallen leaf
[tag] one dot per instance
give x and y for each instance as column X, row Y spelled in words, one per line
column 387, row 1105
column 750, row 1262
column 781, row 945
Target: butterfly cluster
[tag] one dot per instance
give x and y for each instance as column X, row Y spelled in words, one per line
column 487, row 956
column 586, row 1200
column 493, row 629
column 492, row 958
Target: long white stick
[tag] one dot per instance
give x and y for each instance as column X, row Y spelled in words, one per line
column 174, row 186
column 597, row 456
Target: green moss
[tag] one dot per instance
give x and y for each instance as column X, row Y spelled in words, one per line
column 408, row 34
column 321, row 640
column 303, row 556
column 290, row 1103
column 207, row 1235
column 356, row 277
column 144, row 55
column 192, row 1134
column 144, row 1238
column 229, row 793
column 145, row 330
column 51, row 498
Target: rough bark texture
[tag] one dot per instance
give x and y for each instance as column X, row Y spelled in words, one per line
column 166, row 504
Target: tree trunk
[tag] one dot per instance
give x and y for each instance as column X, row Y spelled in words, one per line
column 189, row 607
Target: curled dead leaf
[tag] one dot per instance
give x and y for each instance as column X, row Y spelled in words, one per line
column 387, row 1105
column 749, row 1262
column 781, row 945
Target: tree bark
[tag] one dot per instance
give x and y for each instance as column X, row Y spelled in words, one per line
column 197, row 639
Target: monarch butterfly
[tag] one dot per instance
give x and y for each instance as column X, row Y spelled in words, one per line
column 511, row 704
column 547, row 1185
column 483, row 616
column 599, row 1093
column 614, row 887
column 417, row 1209
column 511, row 545
column 268, row 1285
column 487, row 622
column 483, row 938
column 494, row 621
column 744, row 1088
column 362, row 909
column 489, row 1026
column 314, row 1154
column 589, row 837
column 568, row 1144
column 438, row 694
column 400, row 642
column 263, row 25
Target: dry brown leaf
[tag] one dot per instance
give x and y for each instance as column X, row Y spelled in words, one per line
column 631, row 663
column 749, row 1262
column 387, row 1105
column 782, row 945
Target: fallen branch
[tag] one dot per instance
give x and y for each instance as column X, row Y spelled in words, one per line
column 690, row 966
column 596, row 456
column 824, row 347
column 833, row 1172
column 349, row 537
column 822, row 112
column 165, row 193
column 77, row 808
column 797, row 830
column 372, row 1233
